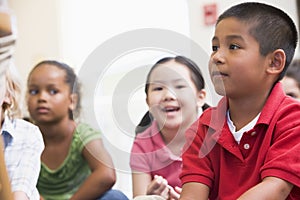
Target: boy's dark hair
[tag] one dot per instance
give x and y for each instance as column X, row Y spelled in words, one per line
column 196, row 77
column 70, row 79
column 270, row 26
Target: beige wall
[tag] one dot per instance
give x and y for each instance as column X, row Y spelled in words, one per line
column 38, row 32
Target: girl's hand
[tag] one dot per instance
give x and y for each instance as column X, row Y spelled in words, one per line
column 174, row 193
column 158, row 186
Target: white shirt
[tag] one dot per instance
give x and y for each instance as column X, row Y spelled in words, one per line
column 23, row 146
column 239, row 134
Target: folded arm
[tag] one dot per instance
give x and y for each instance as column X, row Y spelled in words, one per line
column 270, row 188
column 194, row 191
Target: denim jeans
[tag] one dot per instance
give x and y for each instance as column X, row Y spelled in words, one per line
column 113, row 195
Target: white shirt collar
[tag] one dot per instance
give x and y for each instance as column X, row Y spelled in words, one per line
column 238, row 134
column 8, row 126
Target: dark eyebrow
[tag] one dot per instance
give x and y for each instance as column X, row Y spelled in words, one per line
column 230, row 37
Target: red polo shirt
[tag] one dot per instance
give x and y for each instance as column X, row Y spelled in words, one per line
column 271, row 148
column 149, row 154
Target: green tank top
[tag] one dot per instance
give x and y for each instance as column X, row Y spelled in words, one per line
column 63, row 182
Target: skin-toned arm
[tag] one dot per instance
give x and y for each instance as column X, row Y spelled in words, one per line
column 103, row 174
column 194, row 191
column 271, row 188
column 140, row 181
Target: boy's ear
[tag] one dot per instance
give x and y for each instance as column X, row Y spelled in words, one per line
column 73, row 101
column 276, row 62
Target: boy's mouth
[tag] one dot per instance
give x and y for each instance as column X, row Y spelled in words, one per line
column 218, row 74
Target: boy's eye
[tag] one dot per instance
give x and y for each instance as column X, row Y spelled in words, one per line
column 215, row 48
column 234, row 46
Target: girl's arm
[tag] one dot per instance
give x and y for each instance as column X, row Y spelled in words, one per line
column 103, row 174
column 270, row 188
column 194, row 191
column 140, row 181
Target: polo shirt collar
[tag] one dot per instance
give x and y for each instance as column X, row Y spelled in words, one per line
column 275, row 98
column 217, row 118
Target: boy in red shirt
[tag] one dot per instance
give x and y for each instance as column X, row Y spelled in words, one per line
column 248, row 146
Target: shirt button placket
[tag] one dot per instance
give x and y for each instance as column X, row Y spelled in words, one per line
column 246, row 146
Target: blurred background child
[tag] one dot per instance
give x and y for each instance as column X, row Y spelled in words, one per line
column 175, row 96
column 75, row 164
column 291, row 80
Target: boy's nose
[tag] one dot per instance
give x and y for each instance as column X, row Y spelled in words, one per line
column 218, row 57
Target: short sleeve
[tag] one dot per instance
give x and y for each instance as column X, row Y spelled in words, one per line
column 86, row 134
column 139, row 161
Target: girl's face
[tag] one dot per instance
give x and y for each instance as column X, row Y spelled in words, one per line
column 290, row 87
column 172, row 96
column 48, row 97
column 237, row 68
